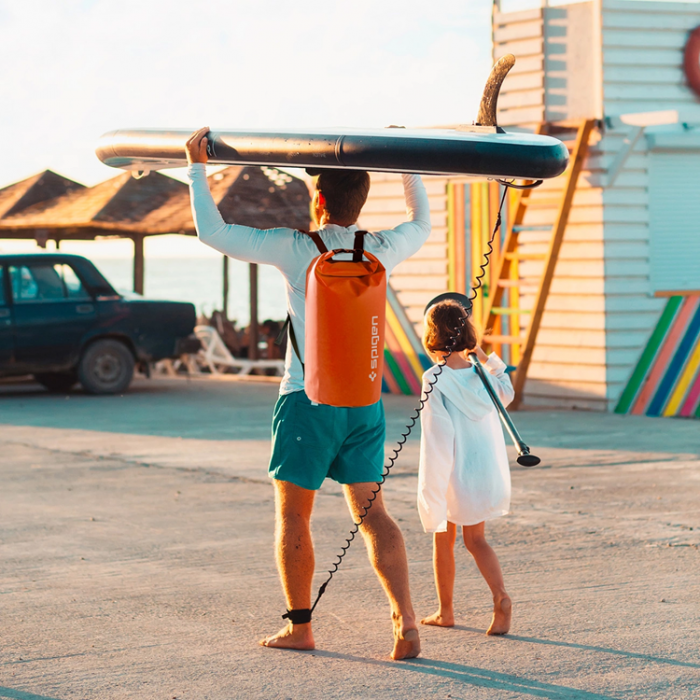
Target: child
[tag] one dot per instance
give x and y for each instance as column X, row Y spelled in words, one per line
column 464, row 478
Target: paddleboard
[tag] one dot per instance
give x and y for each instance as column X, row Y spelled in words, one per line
column 477, row 151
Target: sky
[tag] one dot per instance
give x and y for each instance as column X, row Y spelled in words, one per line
column 74, row 69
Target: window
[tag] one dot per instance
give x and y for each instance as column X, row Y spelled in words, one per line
column 45, row 283
column 674, row 222
column 71, row 281
column 24, row 288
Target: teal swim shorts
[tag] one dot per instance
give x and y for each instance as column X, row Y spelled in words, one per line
column 311, row 442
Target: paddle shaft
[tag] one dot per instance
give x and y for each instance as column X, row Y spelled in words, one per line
column 522, row 448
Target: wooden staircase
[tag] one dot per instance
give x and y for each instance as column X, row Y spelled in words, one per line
column 507, row 273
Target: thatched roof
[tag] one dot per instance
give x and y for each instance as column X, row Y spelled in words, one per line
column 261, row 197
column 115, row 206
column 38, row 188
column 157, row 204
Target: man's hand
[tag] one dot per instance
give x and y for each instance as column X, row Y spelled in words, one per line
column 196, row 146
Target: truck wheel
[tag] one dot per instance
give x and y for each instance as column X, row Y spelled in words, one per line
column 106, row 367
column 57, row 382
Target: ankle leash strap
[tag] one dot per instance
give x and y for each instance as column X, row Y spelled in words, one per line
column 298, row 617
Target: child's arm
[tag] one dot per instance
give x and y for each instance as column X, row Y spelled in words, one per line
column 495, row 366
column 436, row 461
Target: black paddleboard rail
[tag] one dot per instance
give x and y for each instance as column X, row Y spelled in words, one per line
column 424, row 151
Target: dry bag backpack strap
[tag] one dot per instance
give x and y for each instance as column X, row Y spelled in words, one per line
column 288, row 326
column 317, row 240
column 358, row 246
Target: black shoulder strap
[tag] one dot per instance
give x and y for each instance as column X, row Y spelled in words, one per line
column 289, row 326
column 317, row 240
column 358, row 246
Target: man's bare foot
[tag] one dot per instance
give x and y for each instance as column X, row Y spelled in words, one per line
column 501, row 616
column 439, row 619
column 291, row 637
column 406, row 641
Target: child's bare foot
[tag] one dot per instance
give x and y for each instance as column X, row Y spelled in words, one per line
column 502, row 609
column 291, row 637
column 439, row 619
column 406, row 640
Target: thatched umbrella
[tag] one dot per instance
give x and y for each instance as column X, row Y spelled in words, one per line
column 261, row 198
column 48, row 206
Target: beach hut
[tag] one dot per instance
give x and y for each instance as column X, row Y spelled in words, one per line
column 593, row 295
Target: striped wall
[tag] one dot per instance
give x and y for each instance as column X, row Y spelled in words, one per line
column 472, row 213
column 521, row 101
column 404, row 357
column 413, row 283
column 602, row 308
column 553, row 80
column 666, row 379
column 554, row 77
column 416, row 280
column 591, row 59
column 642, row 56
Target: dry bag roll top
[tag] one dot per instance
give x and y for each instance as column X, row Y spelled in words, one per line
column 345, row 312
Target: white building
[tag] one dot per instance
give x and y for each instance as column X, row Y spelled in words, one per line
column 632, row 238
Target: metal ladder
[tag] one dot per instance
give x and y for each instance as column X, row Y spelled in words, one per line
column 507, row 271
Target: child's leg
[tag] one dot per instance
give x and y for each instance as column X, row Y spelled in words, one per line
column 487, row 561
column 444, row 566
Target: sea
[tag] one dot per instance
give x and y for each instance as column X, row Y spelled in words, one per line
column 200, row 281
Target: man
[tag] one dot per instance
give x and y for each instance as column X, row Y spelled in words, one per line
column 311, row 442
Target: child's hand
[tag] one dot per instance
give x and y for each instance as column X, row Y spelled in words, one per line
column 483, row 357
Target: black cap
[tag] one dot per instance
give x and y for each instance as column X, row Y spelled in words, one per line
column 462, row 299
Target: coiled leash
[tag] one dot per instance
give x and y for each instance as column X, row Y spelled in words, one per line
column 302, row 616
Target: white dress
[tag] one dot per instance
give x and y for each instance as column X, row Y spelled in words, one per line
column 464, row 477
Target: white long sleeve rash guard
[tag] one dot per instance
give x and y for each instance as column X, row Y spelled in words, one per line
column 291, row 251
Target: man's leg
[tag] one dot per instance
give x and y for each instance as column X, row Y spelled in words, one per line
column 387, row 553
column 295, row 560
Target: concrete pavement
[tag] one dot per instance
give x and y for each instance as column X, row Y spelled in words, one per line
column 137, row 559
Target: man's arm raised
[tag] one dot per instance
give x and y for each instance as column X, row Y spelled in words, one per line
column 407, row 238
column 269, row 246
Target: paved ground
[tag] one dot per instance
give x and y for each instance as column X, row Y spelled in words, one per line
column 136, row 560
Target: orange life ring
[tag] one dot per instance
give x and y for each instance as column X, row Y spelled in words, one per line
column 691, row 61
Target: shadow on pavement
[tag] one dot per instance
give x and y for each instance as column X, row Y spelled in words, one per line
column 241, row 410
column 21, row 695
column 471, row 675
column 586, row 647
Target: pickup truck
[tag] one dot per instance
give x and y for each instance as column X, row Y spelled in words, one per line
column 64, row 323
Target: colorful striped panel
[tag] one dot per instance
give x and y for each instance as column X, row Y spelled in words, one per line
column 404, row 357
column 666, row 380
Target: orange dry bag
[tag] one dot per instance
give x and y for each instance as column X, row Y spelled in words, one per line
column 345, row 312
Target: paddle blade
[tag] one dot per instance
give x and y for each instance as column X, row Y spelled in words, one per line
column 528, row 460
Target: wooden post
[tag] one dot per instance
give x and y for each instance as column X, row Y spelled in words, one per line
column 253, row 328
column 224, row 306
column 138, row 264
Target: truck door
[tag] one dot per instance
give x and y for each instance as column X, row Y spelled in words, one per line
column 6, row 333
column 52, row 314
